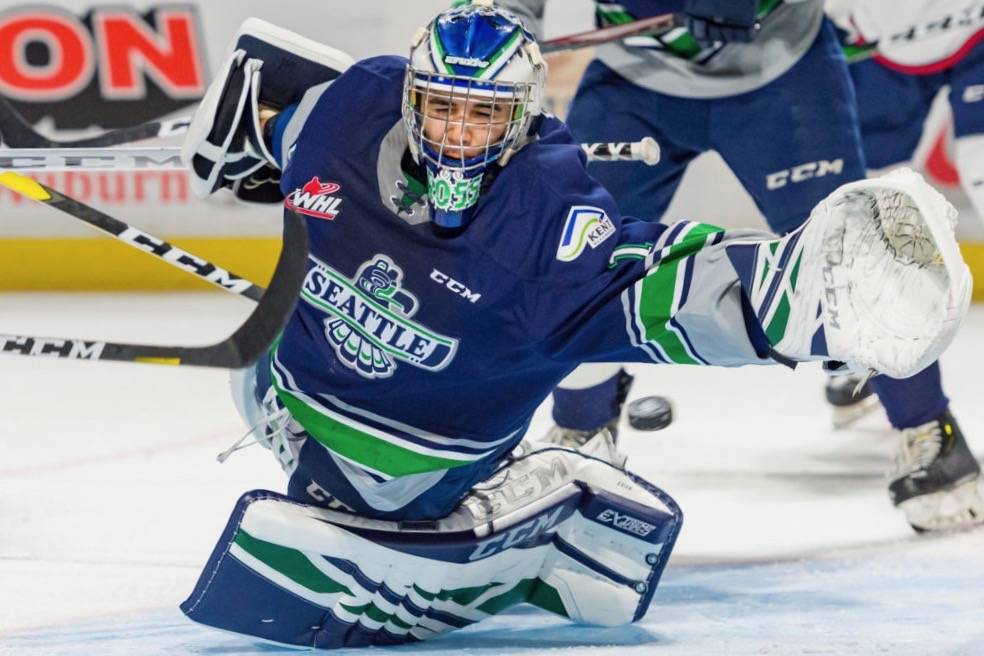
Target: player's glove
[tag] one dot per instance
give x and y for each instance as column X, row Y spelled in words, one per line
column 225, row 145
column 722, row 21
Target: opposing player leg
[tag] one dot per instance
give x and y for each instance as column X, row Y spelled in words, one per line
column 892, row 108
column 607, row 107
column 966, row 81
column 554, row 528
column 590, row 398
column 934, row 478
column 805, row 164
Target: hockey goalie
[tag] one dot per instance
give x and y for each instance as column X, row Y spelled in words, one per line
column 461, row 264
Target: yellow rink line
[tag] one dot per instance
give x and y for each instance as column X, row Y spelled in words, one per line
column 103, row 264
column 106, row 265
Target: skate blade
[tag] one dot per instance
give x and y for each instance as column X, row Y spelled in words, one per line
column 844, row 416
column 949, row 510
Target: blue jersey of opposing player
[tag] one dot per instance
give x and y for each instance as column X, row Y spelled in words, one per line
column 416, row 360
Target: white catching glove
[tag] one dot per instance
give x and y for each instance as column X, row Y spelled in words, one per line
column 881, row 261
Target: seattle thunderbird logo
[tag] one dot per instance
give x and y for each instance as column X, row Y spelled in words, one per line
column 315, row 199
column 369, row 324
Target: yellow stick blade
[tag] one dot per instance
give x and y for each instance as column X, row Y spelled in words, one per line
column 24, row 186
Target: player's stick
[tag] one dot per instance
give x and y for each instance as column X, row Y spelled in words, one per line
column 608, row 34
column 243, row 347
column 131, row 236
column 18, row 133
column 165, row 159
column 68, row 159
column 646, row 150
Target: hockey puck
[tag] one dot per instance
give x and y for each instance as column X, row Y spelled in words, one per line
column 650, row 413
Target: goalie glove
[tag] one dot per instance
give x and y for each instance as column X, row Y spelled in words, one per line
column 873, row 279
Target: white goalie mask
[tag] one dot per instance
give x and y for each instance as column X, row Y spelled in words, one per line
column 473, row 87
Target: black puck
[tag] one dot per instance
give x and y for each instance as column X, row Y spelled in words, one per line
column 650, row 413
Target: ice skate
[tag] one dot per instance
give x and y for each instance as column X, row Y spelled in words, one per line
column 936, row 480
column 603, row 439
column 848, row 403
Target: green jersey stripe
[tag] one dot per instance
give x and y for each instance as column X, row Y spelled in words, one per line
column 361, row 448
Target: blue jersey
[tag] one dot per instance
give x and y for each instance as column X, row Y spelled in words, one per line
column 415, row 361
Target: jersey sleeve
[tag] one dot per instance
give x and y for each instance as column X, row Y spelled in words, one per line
column 625, row 290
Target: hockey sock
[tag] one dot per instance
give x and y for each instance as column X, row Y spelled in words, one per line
column 588, row 408
column 910, row 402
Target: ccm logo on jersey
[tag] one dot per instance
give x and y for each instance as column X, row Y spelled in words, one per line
column 626, row 523
column 454, row 286
column 585, row 226
column 315, row 199
column 804, row 172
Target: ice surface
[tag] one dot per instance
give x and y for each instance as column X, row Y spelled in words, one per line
column 112, row 498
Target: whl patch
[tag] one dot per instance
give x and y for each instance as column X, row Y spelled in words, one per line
column 316, row 199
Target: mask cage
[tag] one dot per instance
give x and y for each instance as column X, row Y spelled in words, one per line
column 477, row 120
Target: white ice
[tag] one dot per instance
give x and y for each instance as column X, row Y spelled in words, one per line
column 111, row 499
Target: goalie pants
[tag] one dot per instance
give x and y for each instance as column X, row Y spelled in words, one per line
column 789, row 143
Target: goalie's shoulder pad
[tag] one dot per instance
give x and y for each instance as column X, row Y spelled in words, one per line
column 570, row 534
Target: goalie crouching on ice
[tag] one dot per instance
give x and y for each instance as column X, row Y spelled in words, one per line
column 462, row 263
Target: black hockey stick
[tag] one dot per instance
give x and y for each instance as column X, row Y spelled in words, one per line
column 15, row 132
column 131, row 236
column 241, row 349
column 169, row 158
column 609, row 34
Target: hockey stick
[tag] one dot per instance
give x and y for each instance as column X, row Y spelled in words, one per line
column 242, row 348
column 132, row 236
column 68, row 159
column 608, row 34
column 168, row 159
column 18, row 133
column 646, row 150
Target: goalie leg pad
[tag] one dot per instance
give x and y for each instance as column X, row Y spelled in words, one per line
column 564, row 532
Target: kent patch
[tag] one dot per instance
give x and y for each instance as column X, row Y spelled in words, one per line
column 585, row 226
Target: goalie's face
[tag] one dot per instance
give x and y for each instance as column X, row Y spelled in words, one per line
column 461, row 127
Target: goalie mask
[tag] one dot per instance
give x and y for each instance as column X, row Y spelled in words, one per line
column 473, row 88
